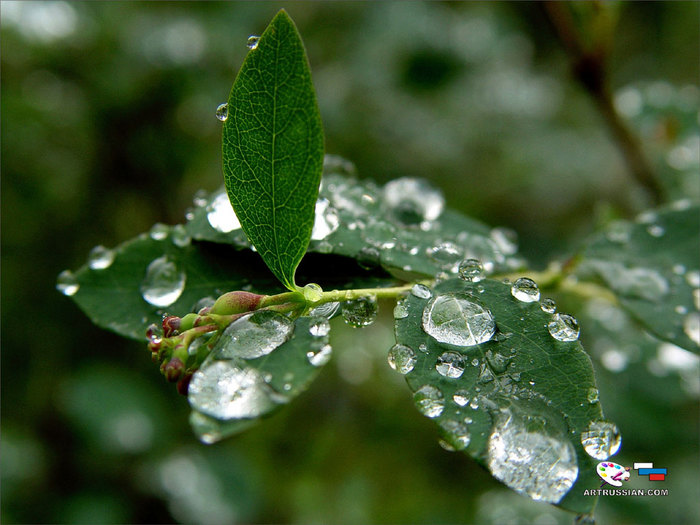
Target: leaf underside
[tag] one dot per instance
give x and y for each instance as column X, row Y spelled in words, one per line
column 273, row 148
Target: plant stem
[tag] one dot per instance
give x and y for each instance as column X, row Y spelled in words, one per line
column 379, row 293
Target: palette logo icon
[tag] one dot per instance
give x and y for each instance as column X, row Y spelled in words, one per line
column 612, row 473
column 647, row 469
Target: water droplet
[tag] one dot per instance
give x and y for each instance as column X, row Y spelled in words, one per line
column 446, row 254
column 429, row 401
column 506, row 240
column 163, row 283
column 321, row 357
column 100, row 258
column 693, row 278
column 221, row 216
column 313, row 293
column 525, row 290
column 254, row 335
column 413, row 200
column 360, row 312
column 678, row 269
column 455, row 319
column 548, row 305
column 457, row 433
column 656, row 230
column 619, row 232
column 226, row 391
column 564, row 327
column 67, row 283
column 326, row 310
column 402, row 358
column 252, row 42
column 531, row 456
column 691, row 326
column 326, row 220
column 471, row 270
column 180, row 237
column 485, row 375
column 461, row 397
column 159, row 231
column 222, row 112
column 601, row 440
column 450, row 364
column 400, row 311
column 593, row 395
column 421, row 291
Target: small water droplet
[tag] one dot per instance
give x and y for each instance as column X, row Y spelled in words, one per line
column 326, row 310
column 457, row 433
column 163, row 283
column 401, row 358
column 100, row 258
column 224, row 390
column 678, row 269
column 252, row 42
column 461, row 397
column 159, row 231
column 222, row 112
column 548, row 305
column 450, row 364
column 254, row 335
column 421, row 291
column 319, row 327
column 413, row 200
column 326, row 220
column 400, row 311
column 321, row 357
column 471, row 270
column 619, row 232
column 455, row 319
column 656, row 230
column 693, row 278
column 67, row 283
column 564, row 327
column 180, row 237
column 601, row 439
column 221, row 216
column 691, row 326
column 593, row 395
column 506, row 240
column 360, row 312
column 429, row 401
column 525, row 290
column 485, row 375
column 313, row 293
column 446, row 254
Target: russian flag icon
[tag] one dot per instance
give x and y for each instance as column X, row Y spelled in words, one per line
column 647, row 469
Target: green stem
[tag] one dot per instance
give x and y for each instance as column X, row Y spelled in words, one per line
column 379, row 293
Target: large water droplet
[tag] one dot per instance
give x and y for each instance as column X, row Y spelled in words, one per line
column 455, row 319
column 421, row 291
column 319, row 327
column 254, row 335
column 450, row 364
column 691, row 326
column 313, row 293
column 222, row 112
column 402, row 358
column 100, row 258
column 601, row 440
column 457, row 433
column 471, row 270
column 360, row 312
column 164, row 282
column 67, row 283
column 429, row 401
column 564, row 327
column 252, row 42
column 326, row 220
column 525, row 290
column 226, row 391
column 413, row 200
column 221, row 216
column 320, row 357
column 446, row 254
column 531, row 456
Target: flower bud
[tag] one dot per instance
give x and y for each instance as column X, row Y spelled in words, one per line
column 173, row 370
column 236, row 303
column 171, row 324
column 187, row 322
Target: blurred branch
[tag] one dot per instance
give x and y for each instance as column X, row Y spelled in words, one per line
column 588, row 64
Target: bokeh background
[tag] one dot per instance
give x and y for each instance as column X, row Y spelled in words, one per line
column 108, row 127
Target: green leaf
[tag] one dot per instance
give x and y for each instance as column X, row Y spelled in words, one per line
column 652, row 265
column 273, row 148
column 484, row 366
column 235, row 387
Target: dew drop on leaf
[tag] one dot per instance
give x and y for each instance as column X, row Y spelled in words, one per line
column 400, row 311
column 413, row 201
column 100, row 258
column 401, row 358
column 326, row 220
column 691, row 326
column 320, row 357
column 446, row 255
column 221, row 216
column 252, row 42
column 67, row 283
column 429, row 401
column 360, row 312
column 525, row 290
column 693, row 278
column 159, row 231
column 319, row 327
column 224, row 390
column 461, row 397
column 222, row 112
column 453, row 318
column 254, row 335
column 450, row 364
column 601, row 439
column 593, row 395
column 656, row 230
column 457, row 433
column 163, row 283
column 180, row 237
column 421, row 291
column 471, row 270
column 548, row 305
column 564, row 327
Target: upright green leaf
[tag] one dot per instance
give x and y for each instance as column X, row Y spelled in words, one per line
column 273, row 148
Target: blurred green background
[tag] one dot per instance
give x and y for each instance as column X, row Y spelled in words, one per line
column 108, row 127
